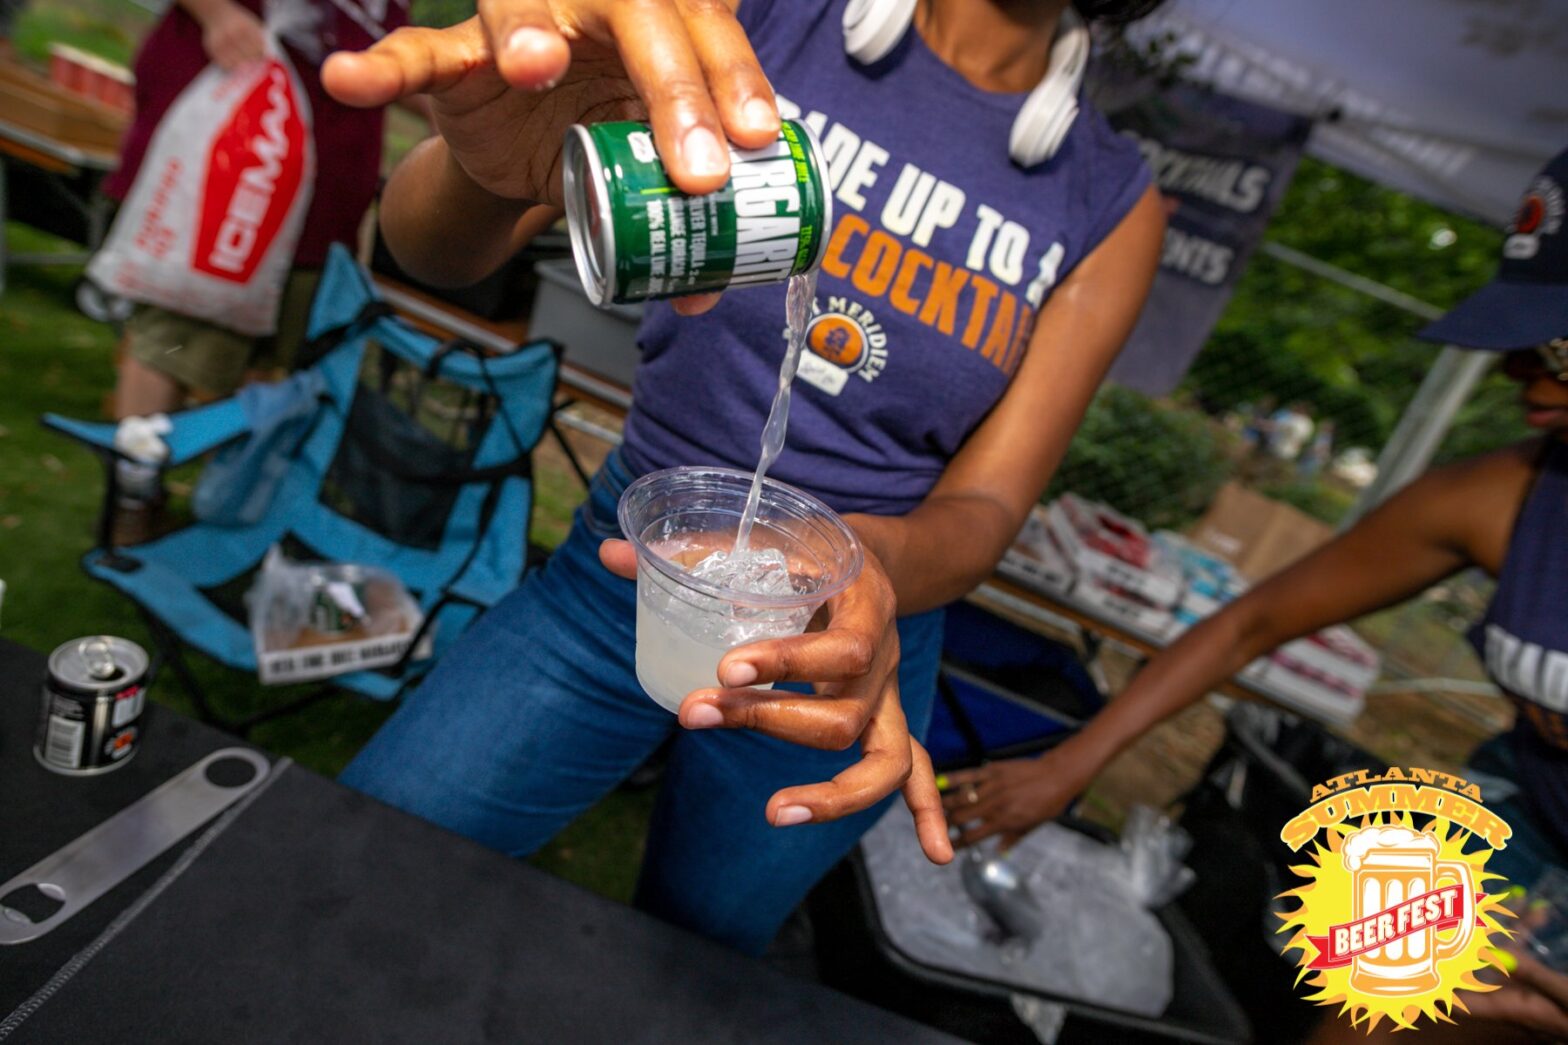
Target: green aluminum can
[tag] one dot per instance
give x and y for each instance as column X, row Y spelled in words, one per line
column 637, row 237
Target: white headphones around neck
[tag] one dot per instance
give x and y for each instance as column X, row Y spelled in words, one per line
column 872, row 28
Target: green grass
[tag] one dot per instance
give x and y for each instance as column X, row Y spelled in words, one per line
column 54, row 359
column 109, row 28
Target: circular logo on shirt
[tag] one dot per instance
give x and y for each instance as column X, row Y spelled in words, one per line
column 838, row 339
column 846, row 341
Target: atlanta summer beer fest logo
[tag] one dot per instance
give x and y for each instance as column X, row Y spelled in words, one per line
column 1398, row 910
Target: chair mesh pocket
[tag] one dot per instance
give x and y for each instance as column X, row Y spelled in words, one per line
column 389, row 473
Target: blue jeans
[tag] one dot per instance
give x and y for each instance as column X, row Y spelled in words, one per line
column 536, row 713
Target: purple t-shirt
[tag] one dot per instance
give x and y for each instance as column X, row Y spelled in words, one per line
column 941, row 253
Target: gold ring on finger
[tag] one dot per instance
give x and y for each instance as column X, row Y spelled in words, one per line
column 972, row 795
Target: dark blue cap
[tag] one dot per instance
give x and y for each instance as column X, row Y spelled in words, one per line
column 1526, row 303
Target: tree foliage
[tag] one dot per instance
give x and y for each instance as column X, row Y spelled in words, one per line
column 1291, row 336
column 1157, row 461
column 1295, row 336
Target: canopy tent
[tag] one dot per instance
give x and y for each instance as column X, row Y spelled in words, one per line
column 1458, row 102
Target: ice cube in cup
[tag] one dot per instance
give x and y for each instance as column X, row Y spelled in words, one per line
column 694, row 601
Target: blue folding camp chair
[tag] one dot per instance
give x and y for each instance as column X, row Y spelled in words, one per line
column 416, row 459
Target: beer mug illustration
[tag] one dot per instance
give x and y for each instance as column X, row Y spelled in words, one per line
column 1388, row 866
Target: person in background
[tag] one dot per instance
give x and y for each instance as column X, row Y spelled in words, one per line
column 1255, row 422
column 10, row 10
column 989, row 345
column 1505, row 512
column 165, row 356
column 1318, row 452
column 1288, row 431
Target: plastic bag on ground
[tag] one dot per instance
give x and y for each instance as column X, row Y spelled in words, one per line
column 1154, row 848
column 312, row 620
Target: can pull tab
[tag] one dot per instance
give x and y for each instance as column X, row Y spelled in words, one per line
column 98, row 656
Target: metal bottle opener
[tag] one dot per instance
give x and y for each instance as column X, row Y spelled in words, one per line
column 61, row 884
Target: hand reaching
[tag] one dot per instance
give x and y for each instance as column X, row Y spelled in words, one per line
column 232, row 36
column 1012, row 797
column 504, row 86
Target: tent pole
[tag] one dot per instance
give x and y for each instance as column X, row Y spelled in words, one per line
column 1423, row 425
column 1360, row 284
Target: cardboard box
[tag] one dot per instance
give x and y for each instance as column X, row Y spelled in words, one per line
column 92, row 76
column 1343, row 643
column 1310, row 696
column 1256, row 671
column 1313, row 661
column 1113, row 549
column 1200, row 568
column 304, row 663
column 1260, row 536
column 1126, row 608
column 1199, row 605
column 1034, row 560
column 378, row 641
column 1332, row 653
column 37, row 104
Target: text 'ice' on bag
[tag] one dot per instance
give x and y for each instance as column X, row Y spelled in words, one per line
column 211, row 222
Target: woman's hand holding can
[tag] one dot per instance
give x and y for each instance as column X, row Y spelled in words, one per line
column 505, row 86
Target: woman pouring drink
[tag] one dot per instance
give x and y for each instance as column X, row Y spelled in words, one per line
column 992, row 246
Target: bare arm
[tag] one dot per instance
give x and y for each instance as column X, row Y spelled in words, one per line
column 444, row 229
column 1426, row 532
column 230, row 34
column 954, row 539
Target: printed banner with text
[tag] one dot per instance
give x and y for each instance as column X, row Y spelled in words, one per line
column 1222, row 164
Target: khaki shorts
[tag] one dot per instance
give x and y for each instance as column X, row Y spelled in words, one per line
column 208, row 358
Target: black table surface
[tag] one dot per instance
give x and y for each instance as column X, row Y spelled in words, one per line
column 321, row 915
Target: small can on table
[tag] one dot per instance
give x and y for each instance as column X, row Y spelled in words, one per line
column 90, row 720
column 636, row 237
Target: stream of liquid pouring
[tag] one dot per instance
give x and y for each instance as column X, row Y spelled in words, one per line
column 797, row 312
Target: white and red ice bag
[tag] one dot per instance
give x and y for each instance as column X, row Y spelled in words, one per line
column 211, row 222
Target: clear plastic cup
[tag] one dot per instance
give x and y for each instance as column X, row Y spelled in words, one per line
column 685, row 624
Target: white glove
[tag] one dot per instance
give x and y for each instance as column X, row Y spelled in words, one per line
column 141, row 438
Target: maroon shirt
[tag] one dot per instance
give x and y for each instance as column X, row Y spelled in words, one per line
column 348, row 141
